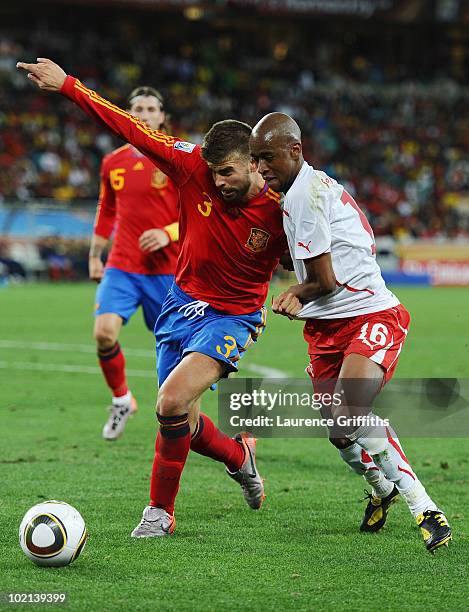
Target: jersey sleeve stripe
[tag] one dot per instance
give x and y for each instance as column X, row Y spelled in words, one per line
column 158, row 136
column 273, row 195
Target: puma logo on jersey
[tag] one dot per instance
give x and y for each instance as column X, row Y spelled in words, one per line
column 138, row 166
column 305, row 246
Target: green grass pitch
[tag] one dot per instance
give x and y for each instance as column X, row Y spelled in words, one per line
column 302, row 551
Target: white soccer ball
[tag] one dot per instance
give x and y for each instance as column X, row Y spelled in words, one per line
column 52, row 533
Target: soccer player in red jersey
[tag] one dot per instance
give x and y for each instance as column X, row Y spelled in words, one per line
column 231, row 239
column 355, row 327
column 139, row 202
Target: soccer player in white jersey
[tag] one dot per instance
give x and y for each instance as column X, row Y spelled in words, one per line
column 355, row 327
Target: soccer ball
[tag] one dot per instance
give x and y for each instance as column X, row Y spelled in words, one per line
column 52, row 533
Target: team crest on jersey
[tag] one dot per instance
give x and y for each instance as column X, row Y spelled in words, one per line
column 257, row 240
column 159, row 180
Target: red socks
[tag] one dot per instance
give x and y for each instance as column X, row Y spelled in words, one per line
column 112, row 362
column 171, row 450
column 208, row 440
column 172, row 447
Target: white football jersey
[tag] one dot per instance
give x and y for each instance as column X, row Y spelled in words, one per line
column 319, row 216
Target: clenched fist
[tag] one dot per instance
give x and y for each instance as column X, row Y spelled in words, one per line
column 287, row 304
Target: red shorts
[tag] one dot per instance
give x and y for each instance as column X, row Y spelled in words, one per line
column 377, row 335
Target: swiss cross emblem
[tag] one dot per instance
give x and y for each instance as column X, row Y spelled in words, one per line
column 257, row 240
column 158, row 179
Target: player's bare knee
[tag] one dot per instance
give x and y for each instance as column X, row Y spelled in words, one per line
column 341, row 443
column 105, row 336
column 169, row 403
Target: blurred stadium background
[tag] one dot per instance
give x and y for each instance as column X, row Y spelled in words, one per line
column 380, row 88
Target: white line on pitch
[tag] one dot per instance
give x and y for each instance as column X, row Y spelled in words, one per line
column 78, row 369
column 67, row 348
column 90, row 349
column 264, row 370
column 60, row 367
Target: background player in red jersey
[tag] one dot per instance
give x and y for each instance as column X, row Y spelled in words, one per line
column 139, row 202
column 231, row 238
column 355, row 327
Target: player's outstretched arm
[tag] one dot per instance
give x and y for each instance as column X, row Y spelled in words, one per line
column 174, row 160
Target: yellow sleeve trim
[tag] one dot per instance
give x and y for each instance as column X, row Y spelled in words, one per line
column 168, row 141
column 173, row 231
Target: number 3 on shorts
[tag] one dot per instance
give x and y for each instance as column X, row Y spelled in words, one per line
column 229, row 346
column 376, row 336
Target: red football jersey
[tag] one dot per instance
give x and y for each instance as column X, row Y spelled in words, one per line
column 227, row 254
column 135, row 196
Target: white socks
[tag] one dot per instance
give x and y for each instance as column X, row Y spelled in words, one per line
column 122, row 400
column 383, row 447
column 363, row 464
column 418, row 499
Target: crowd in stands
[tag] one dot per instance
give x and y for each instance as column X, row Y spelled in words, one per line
column 51, row 258
column 396, row 134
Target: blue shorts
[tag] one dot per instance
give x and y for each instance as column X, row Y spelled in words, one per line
column 187, row 326
column 122, row 293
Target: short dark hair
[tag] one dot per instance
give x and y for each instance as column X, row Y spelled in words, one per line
column 145, row 90
column 224, row 139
